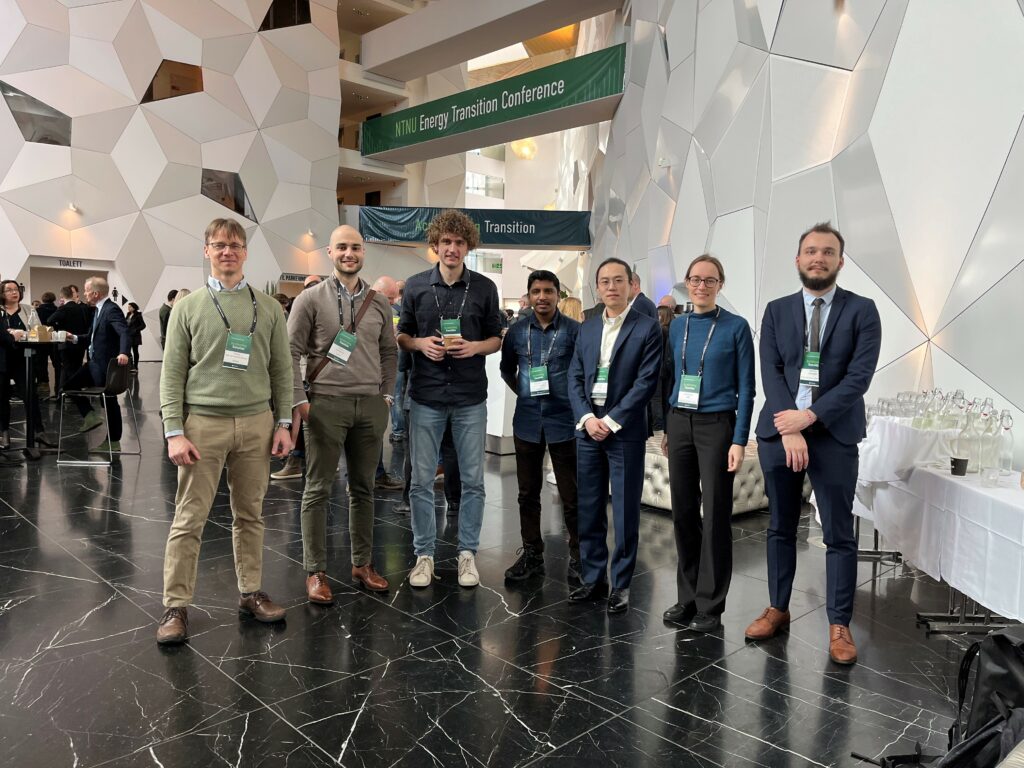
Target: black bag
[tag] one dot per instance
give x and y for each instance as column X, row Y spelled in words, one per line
column 995, row 722
column 1000, row 671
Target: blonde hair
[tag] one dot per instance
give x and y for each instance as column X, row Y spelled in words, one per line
column 229, row 227
column 572, row 308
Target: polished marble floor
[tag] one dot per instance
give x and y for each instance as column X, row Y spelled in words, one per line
column 436, row 677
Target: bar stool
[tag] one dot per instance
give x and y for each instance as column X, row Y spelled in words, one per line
column 116, row 383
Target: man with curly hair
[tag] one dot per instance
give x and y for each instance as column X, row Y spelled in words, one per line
column 449, row 323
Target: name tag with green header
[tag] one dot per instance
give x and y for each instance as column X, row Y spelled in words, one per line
column 451, row 326
column 689, row 392
column 539, row 381
column 809, row 370
column 237, row 350
column 342, row 346
column 601, row 383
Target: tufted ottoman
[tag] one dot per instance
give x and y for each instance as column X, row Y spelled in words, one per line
column 748, row 489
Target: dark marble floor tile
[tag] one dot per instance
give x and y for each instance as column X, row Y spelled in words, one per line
column 257, row 739
column 450, row 704
column 618, row 743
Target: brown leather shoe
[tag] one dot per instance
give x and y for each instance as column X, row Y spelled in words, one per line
column 366, row 577
column 768, row 624
column 840, row 645
column 173, row 627
column 318, row 590
column 260, row 607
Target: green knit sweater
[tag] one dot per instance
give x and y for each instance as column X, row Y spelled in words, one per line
column 194, row 378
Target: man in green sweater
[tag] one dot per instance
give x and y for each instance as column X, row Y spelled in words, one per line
column 226, row 359
column 344, row 321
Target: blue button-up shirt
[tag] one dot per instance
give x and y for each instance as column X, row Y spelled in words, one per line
column 547, row 417
column 803, row 394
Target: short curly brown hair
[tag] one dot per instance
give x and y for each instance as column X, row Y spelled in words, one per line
column 453, row 222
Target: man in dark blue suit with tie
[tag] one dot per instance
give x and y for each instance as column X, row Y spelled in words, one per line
column 612, row 377
column 108, row 338
column 819, row 349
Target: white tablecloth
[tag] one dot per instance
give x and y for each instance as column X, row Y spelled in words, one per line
column 955, row 530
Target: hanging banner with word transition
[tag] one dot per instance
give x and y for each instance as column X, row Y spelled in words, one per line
column 587, row 78
column 537, row 230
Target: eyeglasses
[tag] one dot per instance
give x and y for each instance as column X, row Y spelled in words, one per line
column 231, row 247
column 710, row 282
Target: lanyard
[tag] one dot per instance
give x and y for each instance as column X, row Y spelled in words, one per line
column 351, row 303
column 224, row 317
column 544, row 356
column 686, row 336
column 465, row 293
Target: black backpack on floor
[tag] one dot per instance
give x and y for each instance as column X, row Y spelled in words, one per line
column 995, row 721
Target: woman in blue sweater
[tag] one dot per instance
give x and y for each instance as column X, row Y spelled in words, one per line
column 710, row 408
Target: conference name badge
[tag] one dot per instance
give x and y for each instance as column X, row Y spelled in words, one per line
column 601, row 383
column 539, row 381
column 237, row 350
column 809, row 370
column 689, row 392
column 341, row 347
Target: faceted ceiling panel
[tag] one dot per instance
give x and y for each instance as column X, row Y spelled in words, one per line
column 734, row 162
column 807, row 102
column 733, row 242
column 973, row 87
column 821, row 32
column 716, row 41
column 74, row 73
column 995, row 249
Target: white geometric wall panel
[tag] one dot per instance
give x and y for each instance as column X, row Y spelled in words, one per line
column 268, row 111
column 901, row 121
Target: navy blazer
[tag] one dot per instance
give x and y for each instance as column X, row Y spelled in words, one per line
column 849, row 356
column 635, row 368
column 111, row 336
column 645, row 306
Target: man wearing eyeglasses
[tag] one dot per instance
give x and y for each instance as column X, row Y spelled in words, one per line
column 345, row 332
column 226, row 358
column 612, row 377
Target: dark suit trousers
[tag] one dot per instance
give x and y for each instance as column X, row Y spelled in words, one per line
column 833, row 473
column 530, row 473
column 90, row 375
column 698, row 460
column 72, row 358
column 623, row 462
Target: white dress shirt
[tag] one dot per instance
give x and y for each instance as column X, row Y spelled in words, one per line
column 609, row 335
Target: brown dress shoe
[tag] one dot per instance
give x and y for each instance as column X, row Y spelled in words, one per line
column 173, row 627
column 260, row 607
column 768, row 624
column 366, row 577
column 840, row 645
column 318, row 590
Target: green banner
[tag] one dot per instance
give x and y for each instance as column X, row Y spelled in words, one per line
column 576, row 81
column 553, row 230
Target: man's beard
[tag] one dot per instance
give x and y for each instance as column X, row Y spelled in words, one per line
column 818, row 283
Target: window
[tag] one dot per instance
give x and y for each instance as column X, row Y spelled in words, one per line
column 487, row 186
column 174, row 78
column 226, row 188
column 286, row 13
column 38, row 122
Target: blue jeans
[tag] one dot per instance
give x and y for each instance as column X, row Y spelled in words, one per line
column 426, row 430
column 398, row 407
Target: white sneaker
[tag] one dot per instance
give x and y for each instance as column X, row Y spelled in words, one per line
column 468, row 576
column 422, row 573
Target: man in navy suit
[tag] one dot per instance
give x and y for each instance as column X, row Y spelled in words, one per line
column 107, row 338
column 819, row 349
column 639, row 301
column 612, row 377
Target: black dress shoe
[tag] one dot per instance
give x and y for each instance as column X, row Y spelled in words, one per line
column 618, row 601
column 705, row 622
column 585, row 593
column 680, row 614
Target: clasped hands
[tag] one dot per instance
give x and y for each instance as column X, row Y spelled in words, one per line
column 435, row 349
column 790, row 423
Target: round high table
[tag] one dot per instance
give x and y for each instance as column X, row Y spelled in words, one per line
column 31, row 348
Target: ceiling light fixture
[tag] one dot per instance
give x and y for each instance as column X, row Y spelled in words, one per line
column 524, row 149
column 309, row 232
column 72, row 207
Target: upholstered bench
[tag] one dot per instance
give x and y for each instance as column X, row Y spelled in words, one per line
column 748, row 489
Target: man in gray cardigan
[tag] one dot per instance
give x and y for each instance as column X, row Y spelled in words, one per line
column 346, row 406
